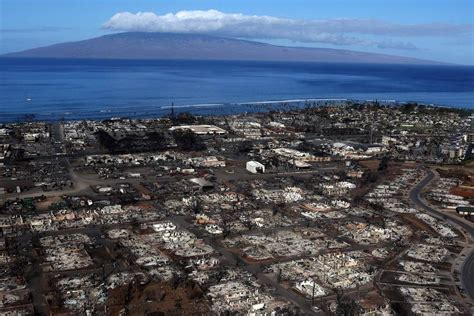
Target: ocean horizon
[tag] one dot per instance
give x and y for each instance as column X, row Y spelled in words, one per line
column 54, row 89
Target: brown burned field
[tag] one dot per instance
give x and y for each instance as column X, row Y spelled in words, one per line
column 158, row 298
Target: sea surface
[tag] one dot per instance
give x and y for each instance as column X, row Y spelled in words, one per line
column 54, row 89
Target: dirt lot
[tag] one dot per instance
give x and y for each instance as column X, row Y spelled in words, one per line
column 44, row 205
column 372, row 165
column 461, row 173
column 158, row 299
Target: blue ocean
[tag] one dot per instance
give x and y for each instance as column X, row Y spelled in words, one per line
column 54, row 89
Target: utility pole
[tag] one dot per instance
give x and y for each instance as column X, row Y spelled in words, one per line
column 172, row 110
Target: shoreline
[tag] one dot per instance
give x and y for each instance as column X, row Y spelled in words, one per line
column 208, row 109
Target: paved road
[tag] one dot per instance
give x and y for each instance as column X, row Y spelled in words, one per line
column 33, row 275
column 467, row 275
column 467, row 270
column 82, row 182
column 415, row 197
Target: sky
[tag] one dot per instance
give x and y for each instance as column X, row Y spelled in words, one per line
column 439, row 30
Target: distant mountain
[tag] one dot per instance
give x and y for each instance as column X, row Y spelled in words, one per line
column 136, row 45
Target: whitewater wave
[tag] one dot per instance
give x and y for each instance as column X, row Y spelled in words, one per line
column 203, row 105
column 288, row 101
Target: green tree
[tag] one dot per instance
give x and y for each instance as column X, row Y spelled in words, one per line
column 187, row 140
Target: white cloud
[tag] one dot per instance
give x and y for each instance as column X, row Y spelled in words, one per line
column 333, row 31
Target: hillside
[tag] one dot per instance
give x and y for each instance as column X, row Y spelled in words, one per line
column 204, row 47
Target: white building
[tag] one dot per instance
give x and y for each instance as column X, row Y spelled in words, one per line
column 200, row 129
column 255, row 167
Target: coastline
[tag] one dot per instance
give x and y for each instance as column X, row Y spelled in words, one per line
column 204, row 109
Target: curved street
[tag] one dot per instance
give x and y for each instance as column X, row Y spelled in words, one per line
column 467, row 269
